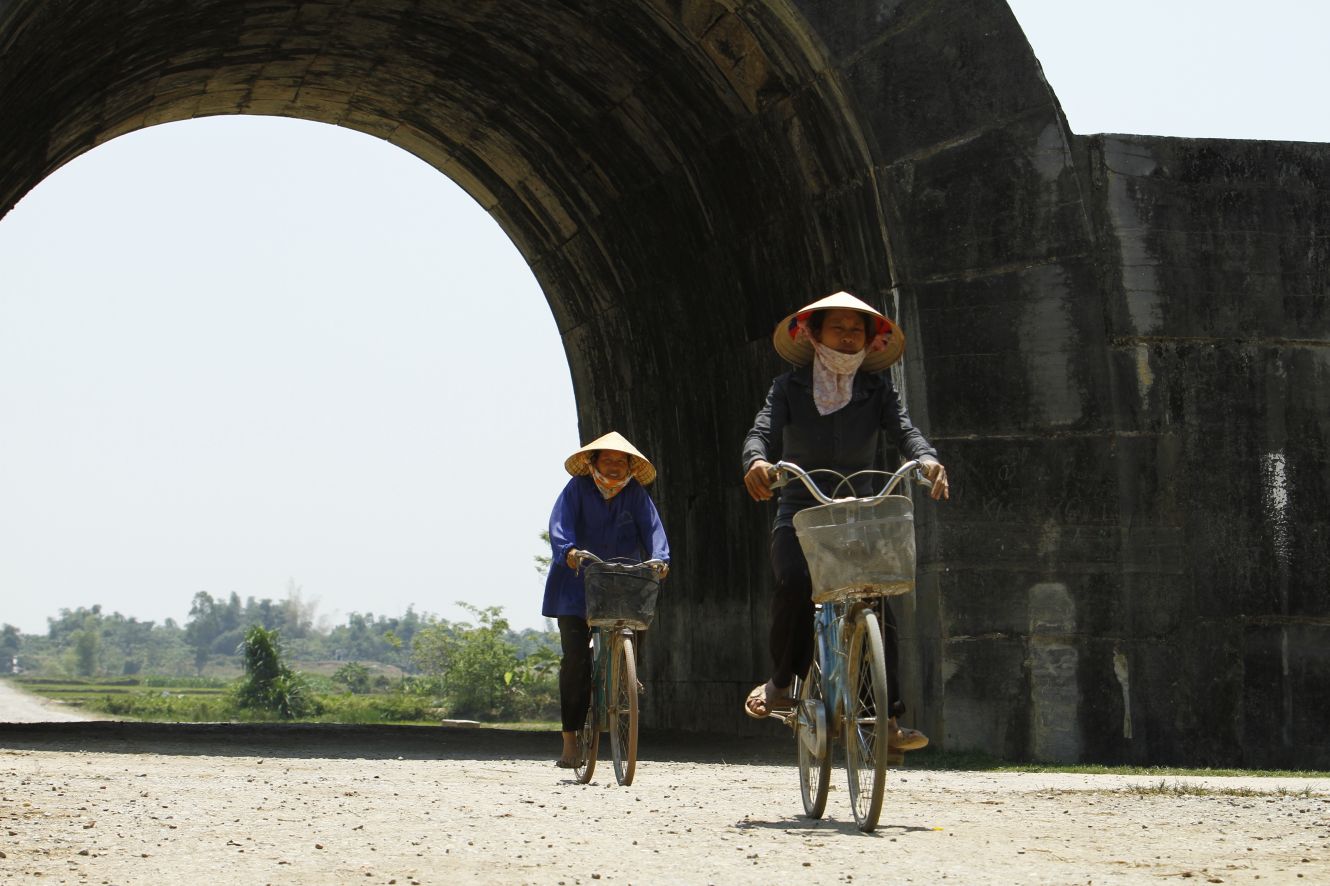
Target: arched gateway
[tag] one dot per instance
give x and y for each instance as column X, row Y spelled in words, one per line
column 1117, row 342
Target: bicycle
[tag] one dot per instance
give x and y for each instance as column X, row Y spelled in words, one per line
column 859, row 552
column 621, row 599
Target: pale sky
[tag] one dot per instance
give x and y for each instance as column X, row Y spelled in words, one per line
column 241, row 352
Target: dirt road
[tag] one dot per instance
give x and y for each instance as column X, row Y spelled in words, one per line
column 17, row 706
column 136, row 803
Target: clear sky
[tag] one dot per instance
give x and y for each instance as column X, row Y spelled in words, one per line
column 1193, row 68
column 241, row 354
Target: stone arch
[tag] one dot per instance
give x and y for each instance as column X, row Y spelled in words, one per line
column 676, row 172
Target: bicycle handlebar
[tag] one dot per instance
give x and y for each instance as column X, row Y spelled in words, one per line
column 587, row 557
column 784, row 471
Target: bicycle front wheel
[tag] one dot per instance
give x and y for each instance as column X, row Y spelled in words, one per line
column 810, row 732
column 866, row 718
column 623, row 710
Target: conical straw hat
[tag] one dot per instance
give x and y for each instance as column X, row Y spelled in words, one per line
column 579, row 463
column 798, row 349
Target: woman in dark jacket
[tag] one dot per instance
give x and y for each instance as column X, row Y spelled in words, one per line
column 831, row 411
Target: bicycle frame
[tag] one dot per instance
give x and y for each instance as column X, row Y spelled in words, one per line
column 831, row 618
column 849, row 699
column 829, row 624
column 614, row 685
column 602, row 643
column 613, row 706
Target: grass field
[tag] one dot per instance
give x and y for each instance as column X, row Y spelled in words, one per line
column 150, row 698
column 210, row 700
column 966, row 761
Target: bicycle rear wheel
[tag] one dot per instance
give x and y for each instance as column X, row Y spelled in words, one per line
column 866, row 718
column 810, row 733
column 588, row 737
column 623, row 709
column 588, row 742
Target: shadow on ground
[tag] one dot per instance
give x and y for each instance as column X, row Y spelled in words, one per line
column 328, row 740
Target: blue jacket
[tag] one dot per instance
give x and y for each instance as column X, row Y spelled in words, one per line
column 625, row 526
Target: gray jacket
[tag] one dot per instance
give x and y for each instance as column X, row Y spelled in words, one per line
column 789, row 427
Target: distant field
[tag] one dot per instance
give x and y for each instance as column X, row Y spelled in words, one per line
column 189, row 699
column 209, row 700
column 75, row 693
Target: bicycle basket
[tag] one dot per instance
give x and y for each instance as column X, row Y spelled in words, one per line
column 620, row 595
column 857, row 550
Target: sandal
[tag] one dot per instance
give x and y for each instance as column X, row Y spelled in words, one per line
column 902, row 738
column 759, row 704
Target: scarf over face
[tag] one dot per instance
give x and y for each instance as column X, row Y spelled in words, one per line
column 833, row 376
column 609, row 488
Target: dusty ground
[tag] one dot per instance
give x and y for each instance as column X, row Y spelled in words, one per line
column 137, row 803
column 21, row 707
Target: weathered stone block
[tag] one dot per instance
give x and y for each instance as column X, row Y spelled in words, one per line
column 1286, row 695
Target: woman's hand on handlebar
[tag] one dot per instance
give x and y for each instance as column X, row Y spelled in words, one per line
column 577, row 558
column 937, row 476
column 758, row 480
column 660, row 567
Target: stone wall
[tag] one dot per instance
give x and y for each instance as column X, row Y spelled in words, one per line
column 1219, row 263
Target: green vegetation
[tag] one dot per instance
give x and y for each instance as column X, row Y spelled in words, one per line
column 543, row 561
column 1181, row 789
column 270, row 686
column 154, row 698
column 967, row 761
column 226, row 664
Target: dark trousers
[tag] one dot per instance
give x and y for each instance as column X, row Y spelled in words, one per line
column 792, row 619
column 575, row 669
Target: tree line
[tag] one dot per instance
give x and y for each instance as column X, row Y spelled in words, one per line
column 481, row 667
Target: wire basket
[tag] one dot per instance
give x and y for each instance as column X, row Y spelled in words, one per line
column 857, row 549
column 620, row 595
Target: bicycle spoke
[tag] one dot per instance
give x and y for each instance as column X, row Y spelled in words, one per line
column 866, row 721
column 588, row 737
column 623, row 709
column 810, row 730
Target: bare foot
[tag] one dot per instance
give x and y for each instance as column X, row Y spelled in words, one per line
column 568, row 758
column 766, row 698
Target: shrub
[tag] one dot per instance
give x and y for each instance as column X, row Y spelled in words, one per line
column 269, row 685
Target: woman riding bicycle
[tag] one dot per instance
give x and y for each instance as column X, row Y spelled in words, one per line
column 605, row 510
column 831, row 411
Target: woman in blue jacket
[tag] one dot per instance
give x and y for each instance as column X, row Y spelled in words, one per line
column 604, row 510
